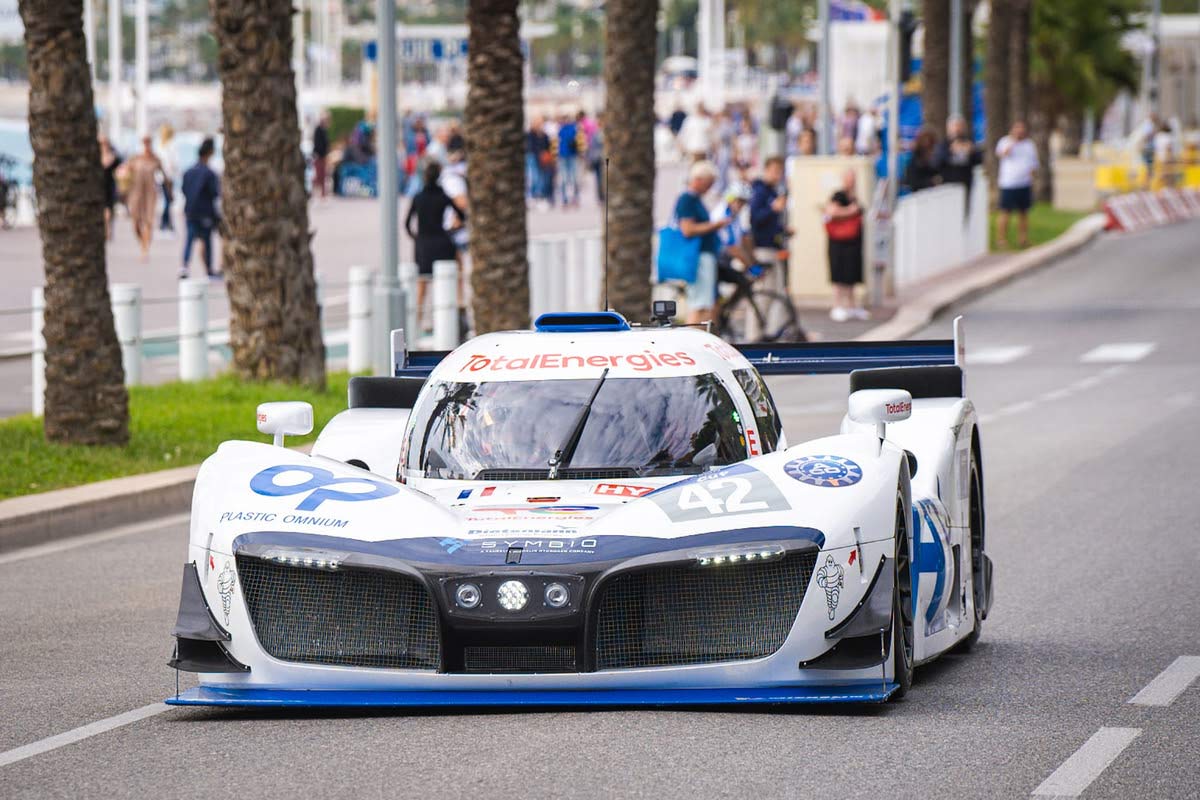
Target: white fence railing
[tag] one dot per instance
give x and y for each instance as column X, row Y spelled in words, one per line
column 928, row 242
column 565, row 274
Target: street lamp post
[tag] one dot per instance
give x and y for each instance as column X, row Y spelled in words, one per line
column 141, row 41
column 114, row 71
column 956, row 58
column 825, row 128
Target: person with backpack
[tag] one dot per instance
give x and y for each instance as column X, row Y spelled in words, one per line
column 844, row 228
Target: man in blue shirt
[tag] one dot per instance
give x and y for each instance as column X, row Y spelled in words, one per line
column 568, row 161
column 201, row 188
column 693, row 221
column 767, row 205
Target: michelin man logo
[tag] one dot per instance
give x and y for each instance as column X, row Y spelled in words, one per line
column 225, row 582
column 830, row 578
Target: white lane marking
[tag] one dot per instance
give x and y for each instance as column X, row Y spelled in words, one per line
column 1121, row 352
column 79, row 734
column 1170, row 683
column 997, row 355
column 1056, row 394
column 1085, row 764
column 91, row 538
column 1017, row 408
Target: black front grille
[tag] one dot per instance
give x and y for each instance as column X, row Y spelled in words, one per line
column 539, row 658
column 684, row 614
column 568, row 474
column 348, row 617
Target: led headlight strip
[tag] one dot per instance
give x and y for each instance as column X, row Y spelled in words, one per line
column 739, row 554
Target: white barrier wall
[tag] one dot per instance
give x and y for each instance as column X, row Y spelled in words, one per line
column 936, row 231
column 566, row 273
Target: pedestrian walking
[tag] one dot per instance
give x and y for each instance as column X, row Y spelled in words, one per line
column 432, row 240
column 923, row 171
column 1018, row 165
column 538, row 162
column 169, row 174
column 201, row 190
column 696, row 135
column 320, row 153
column 844, row 229
column 142, row 197
column 568, row 161
column 110, row 159
column 693, row 220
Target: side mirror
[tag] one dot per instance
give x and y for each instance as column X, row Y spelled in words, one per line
column 293, row 418
column 880, row 406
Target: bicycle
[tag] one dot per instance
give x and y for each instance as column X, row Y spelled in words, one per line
column 752, row 312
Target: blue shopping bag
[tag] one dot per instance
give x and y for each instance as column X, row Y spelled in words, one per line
column 678, row 256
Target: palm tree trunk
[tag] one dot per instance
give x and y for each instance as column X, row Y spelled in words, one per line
column 1020, row 21
column 496, row 142
column 86, row 401
column 935, row 67
column 996, row 89
column 275, row 327
column 629, row 83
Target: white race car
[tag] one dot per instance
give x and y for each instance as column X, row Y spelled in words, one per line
column 592, row 513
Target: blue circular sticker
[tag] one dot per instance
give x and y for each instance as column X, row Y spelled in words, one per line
column 824, row 470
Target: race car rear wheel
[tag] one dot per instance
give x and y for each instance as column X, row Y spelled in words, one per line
column 902, row 604
column 975, row 522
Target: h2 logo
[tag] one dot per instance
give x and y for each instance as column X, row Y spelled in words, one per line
column 316, row 486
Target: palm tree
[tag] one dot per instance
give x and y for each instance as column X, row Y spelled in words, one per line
column 1019, row 20
column 935, row 66
column 275, row 328
column 996, row 88
column 495, row 138
column 86, row 401
column 629, row 57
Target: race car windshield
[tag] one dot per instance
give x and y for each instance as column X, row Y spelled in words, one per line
column 510, row 430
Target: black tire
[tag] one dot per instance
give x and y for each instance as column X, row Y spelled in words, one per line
column 975, row 523
column 771, row 313
column 902, row 603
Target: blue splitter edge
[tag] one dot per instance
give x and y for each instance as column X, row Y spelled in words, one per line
column 297, row 698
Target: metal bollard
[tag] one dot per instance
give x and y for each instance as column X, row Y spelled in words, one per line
column 359, row 308
column 557, row 274
column 445, row 305
column 408, row 282
column 193, row 330
column 388, row 316
column 39, row 352
column 539, row 261
column 127, row 318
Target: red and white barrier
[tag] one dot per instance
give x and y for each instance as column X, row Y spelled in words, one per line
column 1138, row 211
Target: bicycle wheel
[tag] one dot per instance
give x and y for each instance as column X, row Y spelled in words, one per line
column 740, row 320
column 778, row 321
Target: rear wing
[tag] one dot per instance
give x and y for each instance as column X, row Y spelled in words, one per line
column 832, row 358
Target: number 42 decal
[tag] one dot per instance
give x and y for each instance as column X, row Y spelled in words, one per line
column 701, row 495
column 734, row 490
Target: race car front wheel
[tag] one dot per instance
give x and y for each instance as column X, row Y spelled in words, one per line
column 975, row 520
column 902, row 604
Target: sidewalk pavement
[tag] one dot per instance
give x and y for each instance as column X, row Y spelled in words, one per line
column 69, row 512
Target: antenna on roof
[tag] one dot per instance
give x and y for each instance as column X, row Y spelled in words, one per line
column 606, row 198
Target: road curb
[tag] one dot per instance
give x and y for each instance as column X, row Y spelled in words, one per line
column 917, row 314
column 59, row 514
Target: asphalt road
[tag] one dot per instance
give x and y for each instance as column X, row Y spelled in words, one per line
column 1090, row 463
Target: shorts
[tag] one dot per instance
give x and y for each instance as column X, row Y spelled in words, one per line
column 702, row 292
column 1017, row 199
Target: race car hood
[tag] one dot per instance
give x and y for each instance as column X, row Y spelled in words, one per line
column 251, row 494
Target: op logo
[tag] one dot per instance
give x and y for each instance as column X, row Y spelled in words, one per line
column 825, row 471
column 316, row 487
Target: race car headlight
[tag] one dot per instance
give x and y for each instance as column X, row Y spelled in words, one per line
column 513, row 595
column 738, row 555
column 305, row 557
column 468, row 595
column 557, row 595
